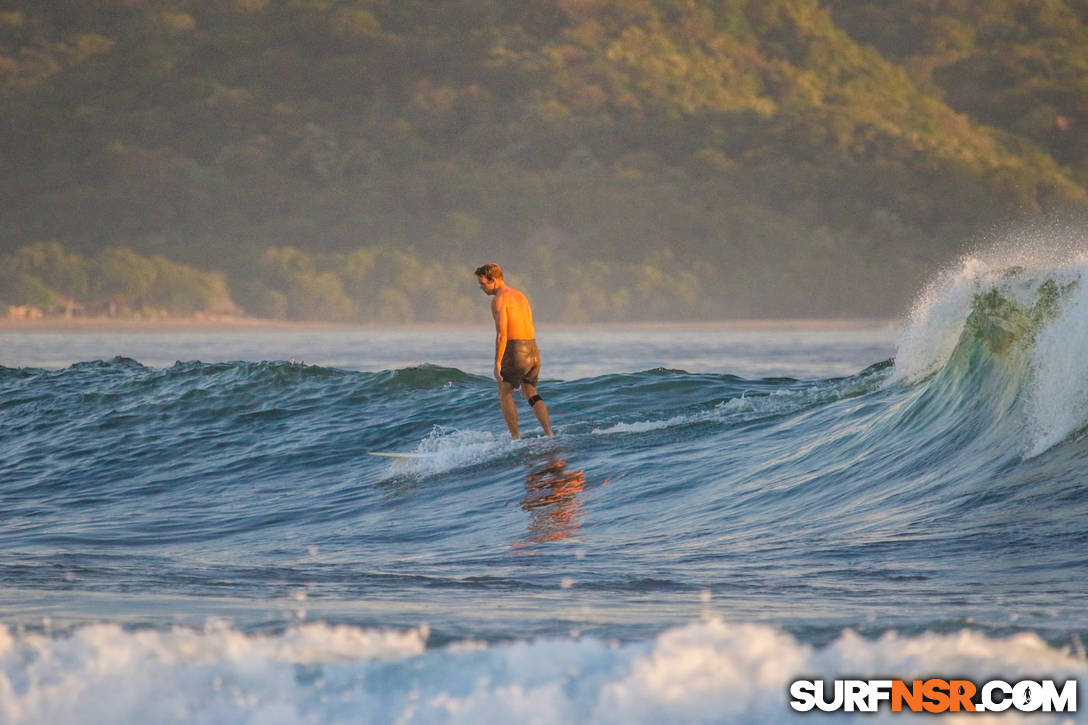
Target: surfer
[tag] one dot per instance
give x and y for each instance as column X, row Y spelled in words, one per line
column 517, row 359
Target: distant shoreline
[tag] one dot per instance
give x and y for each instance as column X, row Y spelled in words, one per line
column 238, row 324
column 171, row 324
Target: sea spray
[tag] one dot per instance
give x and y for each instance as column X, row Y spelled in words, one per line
column 1028, row 314
column 936, row 322
column 1059, row 402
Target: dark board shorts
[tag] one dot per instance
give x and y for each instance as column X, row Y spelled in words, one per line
column 520, row 363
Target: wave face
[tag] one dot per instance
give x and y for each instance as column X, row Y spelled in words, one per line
column 942, row 491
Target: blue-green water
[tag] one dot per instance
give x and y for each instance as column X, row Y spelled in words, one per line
column 732, row 498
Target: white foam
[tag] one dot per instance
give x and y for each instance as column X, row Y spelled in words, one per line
column 710, row 671
column 938, row 317
column 1058, row 406
column 447, row 448
column 645, row 426
column 103, row 674
column 936, row 321
column 748, row 407
column 1057, row 402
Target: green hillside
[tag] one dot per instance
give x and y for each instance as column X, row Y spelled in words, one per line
column 625, row 159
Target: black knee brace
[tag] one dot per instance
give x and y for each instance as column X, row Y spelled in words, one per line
column 534, row 400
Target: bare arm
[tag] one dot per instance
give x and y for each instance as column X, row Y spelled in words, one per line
column 502, row 322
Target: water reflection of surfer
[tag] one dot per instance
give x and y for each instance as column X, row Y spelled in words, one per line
column 551, row 500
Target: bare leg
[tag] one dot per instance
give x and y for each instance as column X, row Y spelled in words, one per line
column 509, row 409
column 540, row 410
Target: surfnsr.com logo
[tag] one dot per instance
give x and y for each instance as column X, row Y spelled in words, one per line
column 933, row 695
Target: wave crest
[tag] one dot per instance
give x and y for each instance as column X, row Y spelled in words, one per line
column 991, row 330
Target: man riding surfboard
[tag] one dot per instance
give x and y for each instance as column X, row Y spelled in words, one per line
column 517, row 359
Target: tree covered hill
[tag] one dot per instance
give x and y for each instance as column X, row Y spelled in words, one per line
column 628, row 159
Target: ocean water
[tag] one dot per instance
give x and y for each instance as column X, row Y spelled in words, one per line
column 192, row 530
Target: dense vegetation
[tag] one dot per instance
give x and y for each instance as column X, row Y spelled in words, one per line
column 625, row 159
column 118, row 282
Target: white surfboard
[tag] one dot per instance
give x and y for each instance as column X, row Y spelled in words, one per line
column 400, row 456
